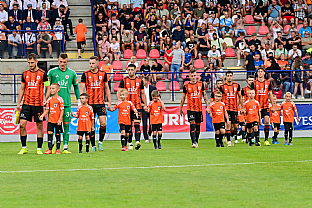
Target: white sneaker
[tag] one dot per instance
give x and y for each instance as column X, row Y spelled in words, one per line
column 244, row 140
column 196, row 145
column 193, row 145
column 236, row 141
column 229, row 143
column 150, row 140
column 302, row 98
column 130, row 146
column 238, row 64
column 306, row 91
column 293, row 97
column 147, row 141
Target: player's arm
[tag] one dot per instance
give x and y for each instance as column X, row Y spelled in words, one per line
column 61, row 117
column 83, row 83
column 20, row 95
column 76, row 88
column 259, row 114
column 44, row 114
column 121, row 86
column 226, row 115
column 240, row 101
column 295, row 109
column 210, row 111
column 108, row 95
column 182, row 102
column 46, row 83
column 162, row 104
column 206, row 101
column 271, row 97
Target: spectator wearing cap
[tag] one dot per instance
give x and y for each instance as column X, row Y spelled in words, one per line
column 126, row 25
column 187, row 9
column 214, row 21
column 254, row 40
column 226, row 25
column 29, row 39
column 19, row 4
column 57, row 4
column 274, row 12
column 162, row 12
column 15, row 45
column 189, row 25
column 280, row 39
column 307, row 60
column 100, row 22
column 261, row 13
column 239, row 24
column 288, row 14
column 306, row 42
column 280, row 50
column 27, row 2
column 140, row 38
column 136, row 24
column 104, row 49
column 114, row 23
column 40, row 5
column 30, row 12
column 17, row 14
column 127, row 40
column 30, row 24
column 137, row 6
column 249, row 64
column 3, row 15
column 178, row 36
column 268, row 39
column 44, row 12
column 240, row 45
column 267, row 49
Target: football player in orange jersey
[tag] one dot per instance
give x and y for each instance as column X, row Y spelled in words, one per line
column 85, row 117
column 275, row 119
column 219, row 82
column 245, row 90
column 218, row 113
column 155, row 108
column 289, row 109
column 253, row 117
column 194, row 91
column 55, row 108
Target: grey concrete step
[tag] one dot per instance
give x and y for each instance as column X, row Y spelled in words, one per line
column 79, row 2
column 77, row 10
column 86, row 20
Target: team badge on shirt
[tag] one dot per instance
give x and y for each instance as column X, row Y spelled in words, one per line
column 137, row 84
column 254, row 107
column 67, row 76
column 55, row 105
column 221, row 107
column 38, row 77
column 100, row 77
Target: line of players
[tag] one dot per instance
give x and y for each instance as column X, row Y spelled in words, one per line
column 94, row 82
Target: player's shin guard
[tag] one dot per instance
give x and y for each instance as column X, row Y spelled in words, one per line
column 275, row 135
column 80, row 145
column 87, row 145
column 197, row 132
column 159, row 138
column 92, row 138
column 228, row 135
column 39, row 142
column 243, row 134
column 154, row 140
column 58, row 141
column 249, row 138
column 234, row 133
column 130, row 136
column 266, row 132
column 66, row 136
column 102, row 133
column 286, row 135
column 192, row 133
column 217, row 139
column 290, row 135
column 50, row 139
column 23, row 141
column 257, row 136
column 126, row 140
column 221, row 136
column 122, row 139
column 137, row 132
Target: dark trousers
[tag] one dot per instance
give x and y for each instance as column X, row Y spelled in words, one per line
column 19, row 50
column 69, row 23
column 145, row 117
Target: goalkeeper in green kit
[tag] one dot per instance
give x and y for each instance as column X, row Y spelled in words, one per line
column 65, row 77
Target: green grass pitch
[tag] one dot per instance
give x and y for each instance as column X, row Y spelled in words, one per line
column 240, row 176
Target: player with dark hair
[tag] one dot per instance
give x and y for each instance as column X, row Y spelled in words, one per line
column 219, row 82
column 194, row 91
column 94, row 81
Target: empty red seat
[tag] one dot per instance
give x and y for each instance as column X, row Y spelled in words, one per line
column 161, row 86
column 154, row 54
column 141, row 54
column 176, row 86
column 117, row 76
column 117, row 65
column 286, row 28
column 127, row 54
column 250, row 30
column 160, row 62
column 249, row 19
column 299, row 27
column 229, row 52
column 199, row 64
column 263, row 30
column 184, row 75
column 116, row 86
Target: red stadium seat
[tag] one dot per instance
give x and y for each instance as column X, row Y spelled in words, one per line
column 286, row 28
column 141, row 54
column 199, row 64
column 299, row 27
column 154, row 54
column 263, row 30
column 249, row 19
column 184, row 75
column 116, row 86
column 199, row 72
column 176, row 86
column 117, row 65
column 161, row 86
column 229, row 52
column 127, row 54
column 250, row 30
column 160, row 62
column 117, row 76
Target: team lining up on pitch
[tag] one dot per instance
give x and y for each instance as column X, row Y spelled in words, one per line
column 227, row 108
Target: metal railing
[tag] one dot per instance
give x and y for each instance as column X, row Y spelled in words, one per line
column 15, row 78
column 93, row 28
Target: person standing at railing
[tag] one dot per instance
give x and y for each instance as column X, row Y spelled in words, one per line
column 15, row 45
column 177, row 61
column 34, row 80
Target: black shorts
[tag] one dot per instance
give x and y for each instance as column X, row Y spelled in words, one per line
column 233, row 117
column 276, row 125
column 134, row 117
column 242, row 124
column 250, row 125
column 79, row 44
column 81, row 133
column 126, row 128
column 156, row 127
column 288, row 126
column 53, row 126
column 265, row 112
column 218, row 126
column 29, row 111
column 99, row 109
column 195, row 116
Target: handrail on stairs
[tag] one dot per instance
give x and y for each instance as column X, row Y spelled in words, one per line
column 93, row 28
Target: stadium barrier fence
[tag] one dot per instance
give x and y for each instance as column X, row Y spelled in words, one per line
column 93, row 28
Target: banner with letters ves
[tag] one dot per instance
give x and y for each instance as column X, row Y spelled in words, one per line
column 173, row 122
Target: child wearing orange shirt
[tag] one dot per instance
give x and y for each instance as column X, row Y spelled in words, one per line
column 288, row 109
column 124, row 119
column 217, row 114
column 81, row 31
column 155, row 108
column 252, row 117
column 85, row 117
column 55, row 109
column 275, row 119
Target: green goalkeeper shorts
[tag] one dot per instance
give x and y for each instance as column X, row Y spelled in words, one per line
column 67, row 114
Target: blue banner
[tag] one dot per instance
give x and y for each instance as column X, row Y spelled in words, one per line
column 305, row 119
column 111, row 123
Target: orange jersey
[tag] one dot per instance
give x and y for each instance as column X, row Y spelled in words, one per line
column 34, row 87
column 276, row 116
column 241, row 117
column 124, row 108
column 230, row 94
column 218, row 111
column 194, row 95
column 55, row 106
column 288, row 111
column 155, row 110
column 252, row 111
column 134, row 87
column 245, row 93
column 85, row 117
column 262, row 90
column 81, row 31
column 95, row 86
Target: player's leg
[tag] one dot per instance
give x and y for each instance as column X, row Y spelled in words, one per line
column 197, row 132
column 159, row 135
column 50, row 138
column 87, row 141
column 137, row 130
column 122, row 139
column 191, row 120
column 274, row 133
column 290, row 133
column 39, row 137
column 125, row 141
column 266, row 117
column 243, row 132
column 145, row 123
column 92, row 134
column 66, row 120
column 154, row 137
column 132, row 117
column 228, row 129
column 102, row 131
column 80, row 137
column 221, row 134
column 277, row 133
column 198, row 120
column 217, row 135
column 58, row 132
column 249, row 131
column 256, row 130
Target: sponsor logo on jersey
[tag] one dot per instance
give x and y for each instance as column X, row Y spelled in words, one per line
column 87, row 113
column 56, row 75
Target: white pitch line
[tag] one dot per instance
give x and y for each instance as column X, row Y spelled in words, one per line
column 154, row 167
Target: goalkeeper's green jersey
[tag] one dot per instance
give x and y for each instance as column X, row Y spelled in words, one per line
column 65, row 79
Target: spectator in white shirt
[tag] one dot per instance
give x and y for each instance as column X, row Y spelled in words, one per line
column 57, row 3
column 29, row 39
column 39, row 5
column 15, row 44
column 32, row 2
column 115, row 49
column 3, row 14
column 19, row 2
